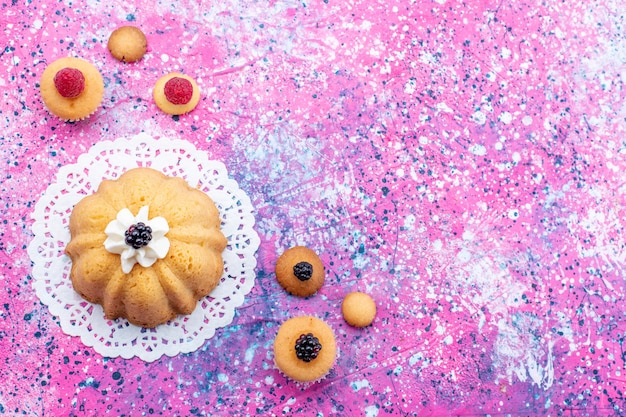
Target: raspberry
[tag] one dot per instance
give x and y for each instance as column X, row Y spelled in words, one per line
column 307, row 347
column 303, row 271
column 178, row 90
column 138, row 235
column 69, row 82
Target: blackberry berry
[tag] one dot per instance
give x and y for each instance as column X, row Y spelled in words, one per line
column 138, row 235
column 307, row 347
column 303, row 271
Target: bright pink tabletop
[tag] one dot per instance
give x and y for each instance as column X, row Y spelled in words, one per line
column 461, row 162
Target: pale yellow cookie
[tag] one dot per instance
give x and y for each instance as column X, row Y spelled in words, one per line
column 170, row 107
column 287, row 348
column 127, row 44
column 80, row 106
column 358, row 309
column 300, row 271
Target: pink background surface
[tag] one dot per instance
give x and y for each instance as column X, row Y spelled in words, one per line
column 462, row 162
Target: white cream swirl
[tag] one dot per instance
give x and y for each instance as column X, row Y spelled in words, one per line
column 147, row 255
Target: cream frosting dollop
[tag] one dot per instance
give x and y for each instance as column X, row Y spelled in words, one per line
column 145, row 256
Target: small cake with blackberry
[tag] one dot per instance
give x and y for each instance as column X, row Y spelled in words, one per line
column 358, row 309
column 146, row 247
column 305, row 349
column 71, row 88
column 127, row 44
column 300, row 271
column 176, row 93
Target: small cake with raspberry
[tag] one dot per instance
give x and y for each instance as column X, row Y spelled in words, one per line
column 127, row 44
column 305, row 349
column 71, row 88
column 176, row 93
column 300, row 271
column 358, row 309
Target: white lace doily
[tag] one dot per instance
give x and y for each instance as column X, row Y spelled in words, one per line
column 51, row 266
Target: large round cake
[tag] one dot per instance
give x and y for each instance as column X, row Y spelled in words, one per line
column 146, row 247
